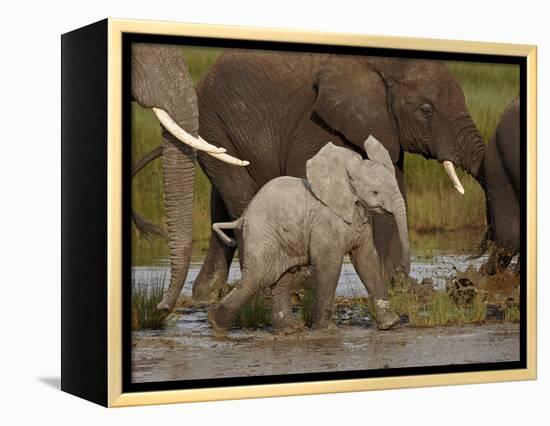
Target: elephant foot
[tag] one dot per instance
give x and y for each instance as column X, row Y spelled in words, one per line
column 209, row 290
column 385, row 318
column 165, row 306
column 323, row 324
column 282, row 317
column 288, row 329
column 281, row 322
column 327, row 331
column 488, row 268
column 499, row 260
column 220, row 318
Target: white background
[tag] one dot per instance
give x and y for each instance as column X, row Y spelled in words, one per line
column 30, row 211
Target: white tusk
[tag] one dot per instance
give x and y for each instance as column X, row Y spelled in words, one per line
column 226, row 158
column 196, row 143
column 450, row 169
column 199, row 144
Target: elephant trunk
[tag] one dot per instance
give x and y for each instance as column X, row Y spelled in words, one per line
column 400, row 214
column 471, row 148
column 179, row 177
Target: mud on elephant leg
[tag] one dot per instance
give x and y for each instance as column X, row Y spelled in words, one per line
column 213, row 275
column 499, row 259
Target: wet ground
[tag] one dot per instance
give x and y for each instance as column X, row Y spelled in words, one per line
column 187, row 349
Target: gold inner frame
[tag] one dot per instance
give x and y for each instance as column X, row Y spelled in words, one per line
column 116, row 28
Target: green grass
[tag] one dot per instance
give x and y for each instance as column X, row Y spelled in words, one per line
column 255, row 314
column 145, row 298
column 420, row 303
column 436, row 212
column 511, row 313
column 426, row 307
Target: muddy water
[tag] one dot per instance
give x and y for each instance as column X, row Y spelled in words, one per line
column 187, row 349
column 437, row 267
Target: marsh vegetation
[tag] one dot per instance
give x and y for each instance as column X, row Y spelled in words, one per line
column 466, row 298
column 145, row 298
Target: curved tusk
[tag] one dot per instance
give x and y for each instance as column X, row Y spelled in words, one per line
column 450, row 169
column 226, row 158
column 199, row 144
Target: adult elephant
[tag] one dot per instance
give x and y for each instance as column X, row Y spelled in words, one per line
column 161, row 81
column 278, row 109
column 502, row 189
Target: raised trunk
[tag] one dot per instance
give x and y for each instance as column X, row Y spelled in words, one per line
column 179, row 177
column 400, row 214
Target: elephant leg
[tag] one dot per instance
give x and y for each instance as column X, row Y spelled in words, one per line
column 490, row 266
column 281, row 298
column 367, row 263
column 368, row 266
column 507, row 229
column 221, row 315
column 215, row 268
column 281, row 305
column 499, row 259
column 327, row 268
column 504, row 210
column 254, row 279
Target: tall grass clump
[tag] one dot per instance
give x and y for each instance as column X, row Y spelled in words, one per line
column 254, row 314
column 145, row 298
column 438, row 310
column 425, row 306
column 512, row 313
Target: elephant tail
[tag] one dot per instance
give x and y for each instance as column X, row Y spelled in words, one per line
column 217, row 228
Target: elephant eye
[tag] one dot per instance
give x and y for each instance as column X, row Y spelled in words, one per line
column 375, row 192
column 426, row 110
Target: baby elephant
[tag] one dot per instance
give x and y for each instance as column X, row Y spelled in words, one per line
column 293, row 223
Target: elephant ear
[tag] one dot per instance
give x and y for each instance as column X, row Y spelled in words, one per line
column 378, row 153
column 351, row 99
column 328, row 177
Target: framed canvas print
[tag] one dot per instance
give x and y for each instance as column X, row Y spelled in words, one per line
column 250, row 212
